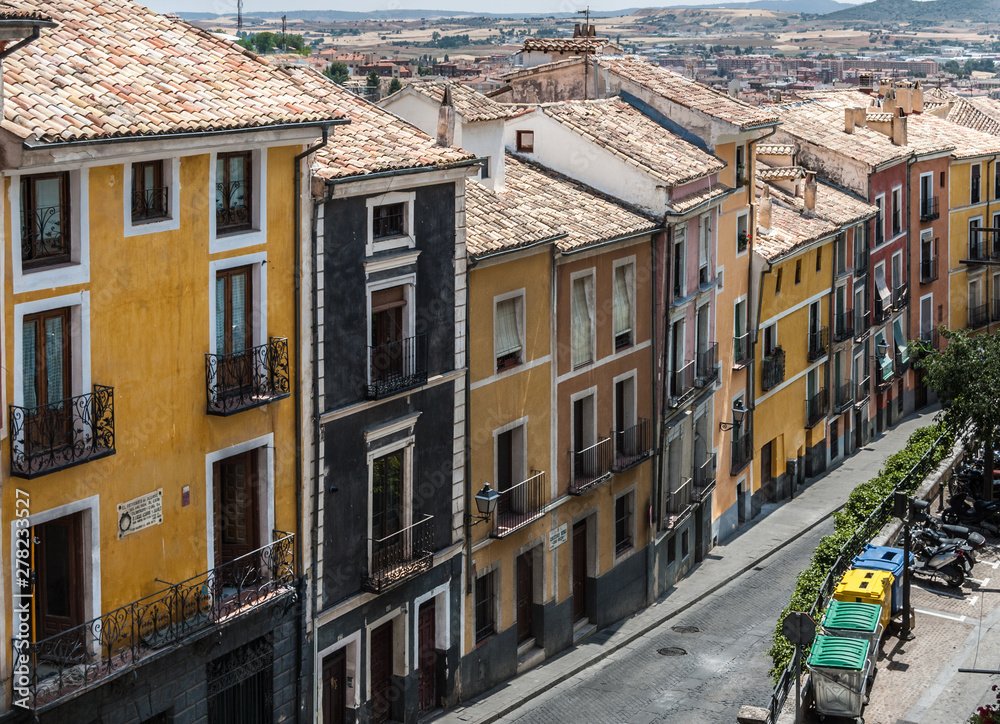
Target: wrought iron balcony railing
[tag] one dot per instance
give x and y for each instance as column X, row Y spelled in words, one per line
column 520, row 505
column 397, row 366
column 979, row 249
column 681, row 384
column 232, row 207
column 150, row 204
column 64, row 665
column 863, row 390
column 399, row 556
column 680, row 497
column 929, row 208
column 816, row 407
column 928, row 270
column 882, row 312
column 862, row 322
column 819, row 343
column 900, row 296
column 979, row 315
column 61, row 434
column 706, row 372
column 772, row 369
column 843, row 396
column 741, row 350
column 704, row 476
column 632, row 445
column 932, row 337
column 251, row 378
column 843, row 326
column 591, row 466
column 45, row 235
column 742, row 452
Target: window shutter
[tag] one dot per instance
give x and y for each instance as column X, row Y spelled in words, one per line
column 623, row 302
column 581, row 333
column 505, row 328
column 28, row 361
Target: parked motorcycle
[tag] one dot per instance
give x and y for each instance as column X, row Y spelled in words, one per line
column 926, row 521
column 943, row 561
column 964, row 510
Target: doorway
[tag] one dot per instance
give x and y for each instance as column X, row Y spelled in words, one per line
column 427, row 657
column 580, row 571
column 525, row 596
column 335, row 687
column 381, row 673
column 59, row 579
column 237, row 510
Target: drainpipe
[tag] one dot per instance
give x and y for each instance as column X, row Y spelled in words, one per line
column 662, row 431
column 988, row 221
column 297, row 185
column 467, row 524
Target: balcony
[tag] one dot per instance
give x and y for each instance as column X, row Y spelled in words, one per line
column 62, row 434
column 862, row 322
column 67, row 664
column 741, row 351
column 860, row 261
column 929, row 208
column 45, row 236
column 399, row 556
column 816, row 407
column 706, row 372
column 900, row 296
column 863, row 390
column 882, row 312
column 742, row 452
column 843, row 326
column 928, row 270
column 591, row 466
column 520, row 505
column 244, row 380
column 679, row 499
column 150, row 204
column 632, row 445
column 979, row 315
column 704, row 476
column 681, row 384
column 980, row 251
column 843, row 397
column 772, row 370
column 397, row 366
column 819, row 343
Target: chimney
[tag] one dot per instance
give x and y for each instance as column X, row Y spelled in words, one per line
column 899, row 130
column 860, row 117
column 576, row 31
column 918, row 98
column 904, row 92
column 809, row 194
column 889, row 102
column 848, row 120
column 446, row 119
column 764, row 212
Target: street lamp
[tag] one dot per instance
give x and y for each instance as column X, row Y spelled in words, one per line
column 486, row 504
column 739, row 414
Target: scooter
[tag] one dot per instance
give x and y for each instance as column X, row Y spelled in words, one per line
column 928, row 538
column 943, row 530
column 943, row 561
column 981, row 513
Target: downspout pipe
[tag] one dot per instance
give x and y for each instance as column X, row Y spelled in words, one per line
column 297, row 185
column 987, row 221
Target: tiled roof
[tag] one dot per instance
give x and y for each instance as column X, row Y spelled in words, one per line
column 840, row 97
column 979, row 113
column 683, row 204
column 767, row 173
column 938, row 95
column 566, row 45
column 537, row 203
column 775, row 149
column 926, row 130
column 689, row 93
column 823, row 125
column 535, row 69
column 469, row 103
column 878, row 117
column 9, row 11
column 112, row 68
column 635, row 138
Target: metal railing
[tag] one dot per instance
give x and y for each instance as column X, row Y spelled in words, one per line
column 860, row 259
column 591, row 466
column 86, row 655
column 742, row 452
column 929, row 208
column 928, row 270
column 397, row 366
column 150, row 204
column 862, row 321
column 900, row 296
column 706, row 372
column 932, row 337
column 816, row 407
column 61, row 434
column 680, row 497
column 704, row 475
column 819, row 343
column 520, row 505
column 772, row 369
column 232, row 209
column 979, row 248
column 882, row 312
column 843, row 396
column 741, row 349
column 681, row 383
column 863, row 389
column 45, row 235
column 979, row 315
column 399, row 556
column 632, row 445
column 251, row 378
column 843, row 326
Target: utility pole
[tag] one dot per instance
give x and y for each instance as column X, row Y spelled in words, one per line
column 586, row 48
column 239, row 17
column 284, row 30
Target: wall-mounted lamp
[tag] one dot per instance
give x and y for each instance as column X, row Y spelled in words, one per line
column 739, row 414
column 486, row 504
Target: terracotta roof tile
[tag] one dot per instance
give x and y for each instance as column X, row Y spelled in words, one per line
column 980, row 113
column 468, row 103
column 775, row 149
column 927, row 130
column 683, row 204
column 566, row 45
column 768, row 173
column 689, row 93
column 524, row 72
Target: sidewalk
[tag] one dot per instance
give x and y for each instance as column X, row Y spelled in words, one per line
column 777, row 526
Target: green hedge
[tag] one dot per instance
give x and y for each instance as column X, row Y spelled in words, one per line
column 861, row 503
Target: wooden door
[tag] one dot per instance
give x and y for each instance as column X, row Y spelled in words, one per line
column 525, row 596
column 765, row 466
column 334, row 687
column 234, row 330
column 59, row 573
column 427, row 657
column 580, row 570
column 236, row 507
column 381, row 673
column 46, row 355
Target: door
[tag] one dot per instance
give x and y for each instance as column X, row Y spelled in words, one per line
column 427, row 657
column 580, row 571
column 381, row 673
column 525, row 596
column 387, row 351
column 765, row 468
column 234, row 330
column 46, row 355
column 236, row 509
column 59, row 580
column 387, row 546
column 334, row 687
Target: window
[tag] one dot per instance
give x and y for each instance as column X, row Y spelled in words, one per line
column 704, row 238
column 927, row 209
column 584, row 423
column 841, row 244
column 624, row 522
column 390, row 222
column 741, row 171
column 974, row 184
column 685, row 544
column 389, row 349
column 526, row 141
column 879, row 220
column 624, row 295
column 897, row 271
column 45, row 220
column 388, row 510
column 770, row 339
column 508, row 332
column 798, row 271
column 742, row 232
column 46, row 357
column 485, row 606
column 941, row 182
column 233, row 192
column 582, row 306
column 234, row 327
column 672, row 550
column 897, row 212
column 679, row 262
column 387, row 221
column 240, row 684
column 484, row 170
column 777, row 282
column 977, row 242
column 511, row 466
column 819, row 260
column 149, row 192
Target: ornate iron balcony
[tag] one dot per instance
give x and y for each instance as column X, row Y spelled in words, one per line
column 399, row 556
column 928, row 270
column 681, row 384
column 772, row 369
column 843, row 397
column 816, row 407
column 706, row 372
column 819, row 343
column 251, row 378
column 150, row 204
column 520, row 505
column 397, row 366
column 590, row 467
column 843, row 326
column 45, row 235
column 61, row 434
column 85, row 656
column 900, row 296
column 929, row 208
column 742, row 452
column 232, row 208
column 632, row 445
column 704, row 476
column 741, row 350
column 979, row 315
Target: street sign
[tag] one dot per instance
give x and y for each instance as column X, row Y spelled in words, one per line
column 798, row 628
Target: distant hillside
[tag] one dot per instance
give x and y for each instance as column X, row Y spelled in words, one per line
column 340, row 16
column 811, row 7
column 903, row 11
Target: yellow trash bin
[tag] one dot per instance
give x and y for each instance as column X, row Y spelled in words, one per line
column 867, row 586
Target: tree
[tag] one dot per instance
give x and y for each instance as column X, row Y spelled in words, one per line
column 395, row 85
column 337, row 72
column 966, row 377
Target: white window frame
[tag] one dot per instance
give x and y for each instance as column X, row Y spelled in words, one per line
column 624, row 262
column 896, row 195
column 77, row 271
column 521, row 476
column 920, row 312
column 897, row 257
column 406, row 240
column 257, row 234
column 589, row 392
column 981, row 184
column 880, row 203
column 926, row 235
column 519, row 308
column 920, row 188
column 743, row 218
column 406, row 445
column 631, row 415
column 630, row 491
column 171, row 177
column 980, row 221
column 258, row 263
column 592, row 313
column 409, row 284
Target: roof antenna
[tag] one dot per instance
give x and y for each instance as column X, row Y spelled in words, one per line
column 239, row 17
column 586, row 48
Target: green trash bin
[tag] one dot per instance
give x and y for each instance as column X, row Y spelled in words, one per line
column 839, row 669
column 848, row 619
